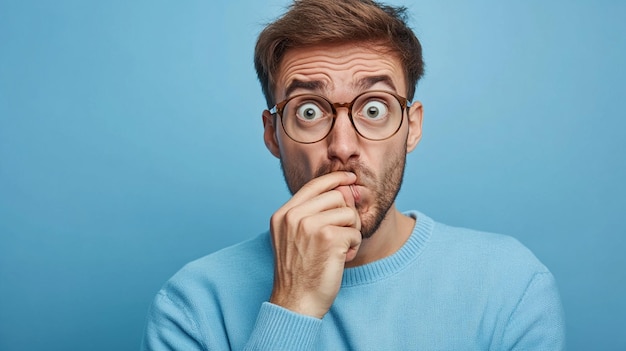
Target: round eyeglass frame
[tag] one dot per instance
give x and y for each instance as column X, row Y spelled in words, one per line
column 279, row 107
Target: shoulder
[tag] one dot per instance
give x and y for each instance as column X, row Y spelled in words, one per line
column 248, row 261
column 194, row 306
column 485, row 247
column 484, row 257
column 253, row 251
column 517, row 294
column 498, row 265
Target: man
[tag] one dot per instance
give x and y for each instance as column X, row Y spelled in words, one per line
column 341, row 268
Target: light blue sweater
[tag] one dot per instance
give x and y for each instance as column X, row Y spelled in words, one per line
column 445, row 289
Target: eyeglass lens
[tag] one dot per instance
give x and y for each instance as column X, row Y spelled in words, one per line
column 310, row 118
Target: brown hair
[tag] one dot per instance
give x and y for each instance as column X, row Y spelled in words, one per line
column 313, row 22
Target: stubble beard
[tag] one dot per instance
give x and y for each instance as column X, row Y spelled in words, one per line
column 383, row 188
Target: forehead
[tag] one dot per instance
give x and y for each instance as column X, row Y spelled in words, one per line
column 339, row 70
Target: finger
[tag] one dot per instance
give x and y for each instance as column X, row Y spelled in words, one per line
column 320, row 203
column 351, row 242
column 337, row 217
column 340, row 241
column 321, row 185
column 348, row 194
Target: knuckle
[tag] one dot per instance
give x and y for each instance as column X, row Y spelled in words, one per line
column 336, row 197
column 291, row 217
column 276, row 222
column 310, row 186
column 275, row 219
column 327, row 234
column 305, row 225
column 337, row 194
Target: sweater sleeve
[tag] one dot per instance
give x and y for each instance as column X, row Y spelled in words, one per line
column 170, row 327
column 537, row 321
column 278, row 329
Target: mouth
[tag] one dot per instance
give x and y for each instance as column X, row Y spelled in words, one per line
column 355, row 193
column 362, row 175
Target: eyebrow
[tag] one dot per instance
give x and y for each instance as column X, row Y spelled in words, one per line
column 314, row 85
column 367, row 82
column 361, row 85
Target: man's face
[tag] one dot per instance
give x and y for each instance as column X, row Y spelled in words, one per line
column 340, row 73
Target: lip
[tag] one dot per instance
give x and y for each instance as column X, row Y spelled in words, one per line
column 355, row 193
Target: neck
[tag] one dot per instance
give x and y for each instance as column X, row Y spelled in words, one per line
column 393, row 232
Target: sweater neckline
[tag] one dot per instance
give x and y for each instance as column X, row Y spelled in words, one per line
column 390, row 265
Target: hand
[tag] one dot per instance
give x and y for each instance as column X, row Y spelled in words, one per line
column 314, row 234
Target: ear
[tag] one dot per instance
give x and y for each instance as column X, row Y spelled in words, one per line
column 269, row 133
column 415, row 126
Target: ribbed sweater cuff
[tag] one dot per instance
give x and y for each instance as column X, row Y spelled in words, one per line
column 277, row 328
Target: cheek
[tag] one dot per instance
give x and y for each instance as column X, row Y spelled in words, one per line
column 298, row 167
column 380, row 158
column 385, row 161
column 303, row 158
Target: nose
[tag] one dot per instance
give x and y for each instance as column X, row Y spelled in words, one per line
column 343, row 140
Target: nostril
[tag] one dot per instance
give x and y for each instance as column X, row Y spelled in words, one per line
column 343, row 147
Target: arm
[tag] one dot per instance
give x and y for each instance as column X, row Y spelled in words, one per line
column 537, row 322
column 313, row 235
column 170, row 327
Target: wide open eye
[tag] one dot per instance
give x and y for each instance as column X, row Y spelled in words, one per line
column 374, row 109
column 309, row 111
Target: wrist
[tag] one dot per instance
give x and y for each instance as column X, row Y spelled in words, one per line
column 301, row 305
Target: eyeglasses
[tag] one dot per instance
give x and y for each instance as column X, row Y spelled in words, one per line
column 309, row 118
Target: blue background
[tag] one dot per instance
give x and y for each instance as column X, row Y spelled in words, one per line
column 131, row 143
